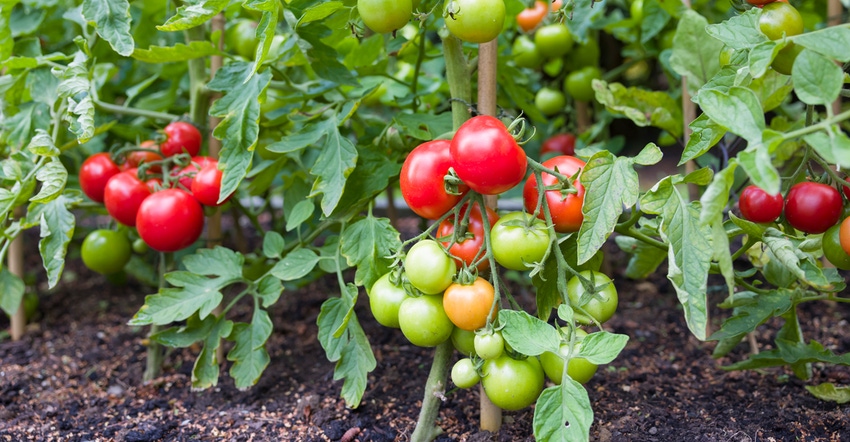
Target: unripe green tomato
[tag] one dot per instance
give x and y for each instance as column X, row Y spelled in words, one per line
column 579, row 84
column 780, row 18
column 428, row 267
column 489, row 346
column 384, row 16
column 385, row 298
column 579, row 369
column 601, row 306
column 424, row 322
column 553, row 66
column 636, row 11
column 242, row 37
column 140, row 246
column 30, row 305
column 106, row 251
column 784, row 60
column 525, row 53
column 832, row 249
column 512, row 384
column 475, row 21
column 553, row 40
column 463, row 341
column 464, row 374
column 550, row 101
column 583, row 55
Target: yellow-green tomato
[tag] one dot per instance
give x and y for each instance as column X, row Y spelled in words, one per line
column 519, row 240
column 550, row 101
column 475, row 21
column 525, row 53
column 385, row 298
column 384, row 16
column 463, row 341
column 554, row 40
column 423, row 321
column 464, row 374
column 601, row 306
column 579, row 84
column 428, row 267
column 512, row 384
column 584, row 55
column 489, row 346
column 579, row 369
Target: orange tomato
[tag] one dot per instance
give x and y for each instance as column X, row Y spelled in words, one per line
column 467, row 306
column 529, row 18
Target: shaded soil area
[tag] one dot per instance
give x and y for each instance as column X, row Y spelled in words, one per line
column 77, row 377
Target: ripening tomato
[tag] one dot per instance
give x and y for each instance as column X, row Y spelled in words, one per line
column 123, row 195
column 813, row 207
column 466, row 248
column 95, row 173
column 467, row 306
column 170, row 220
column 778, row 18
column 421, row 180
column 384, row 16
column 181, row 137
column 512, row 384
column 564, row 208
column 561, row 144
column 529, row 18
column 136, row 158
column 486, row 156
column 475, row 21
column 758, row 206
column 206, row 186
column 186, row 175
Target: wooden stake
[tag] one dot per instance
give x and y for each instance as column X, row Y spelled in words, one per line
column 582, row 116
column 16, row 267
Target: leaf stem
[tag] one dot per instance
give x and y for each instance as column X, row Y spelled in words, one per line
column 135, row 112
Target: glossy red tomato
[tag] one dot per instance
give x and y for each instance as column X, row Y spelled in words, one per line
column 466, row 248
column 138, row 157
column 123, row 196
column 813, row 207
column 421, row 180
column 486, row 156
column 529, row 18
column 95, row 173
column 758, row 206
column 181, row 137
column 170, row 220
column 562, row 144
column 564, row 208
column 187, row 174
column 207, row 185
column 846, row 189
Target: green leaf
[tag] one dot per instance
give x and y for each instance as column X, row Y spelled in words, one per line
column 57, row 228
column 273, row 244
column 655, row 18
column 738, row 110
column 788, row 352
column 759, row 167
column 583, row 16
column 249, row 355
column 739, row 31
column 832, row 144
column 333, row 166
column 817, row 79
column 300, row 213
column 320, row 11
column 705, row 134
column 757, row 311
column 206, row 370
column 269, row 289
column 643, row 107
column 183, row 336
column 193, row 13
column 369, row 244
column 551, row 282
column 7, row 43
column 424, row 127
column 178, row 52
column 112, row 22
column 602, row 347
column 528, row 334
column 239, row 109
column 694, row 53
column 324, row 59
column 831, row 42
column 760, row 57
column 11, row 291
column 219, row 261
column 645, row 258
column 373, row 174
column 827, row 391
column 42, row 144
column 295, row 265
column 716, row 195
column 563, row 413
column 265, row 30
column 74, row 83
column 53, row 177
column 308, row 135
column 772, row 89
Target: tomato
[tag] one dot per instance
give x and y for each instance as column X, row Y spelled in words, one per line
column 553, row 40
column 812, row 207
column 181, row 137
column 519, row 240
column 106, row 251
column 423, row 321
column 465, row 249
column 579, row 369
column 512, row 384
column 784, row 60
column 564, row 208
column 601, row 306
column 428, row 267
column 583, row 55
column 525, row 53
column 206, row 186
column 665, row 41
column 490, row 345
column 140, row 246
column 760, row 2
column 475, row 21
column 384, row 16
column 845, row 189
column 463, row 341
column 529, row 18
column 95, row 172
column 832, row 249
column 758, row 206
column 486, row 157
column 557, row 4
column 778, row 18
column 241, row 35
column 138, row 157
column 579, row 84
column 844, row 235
column 464, row 374
column 186, row 175
column 124, row 195
column 725, row 56
column 467, row 306
column 562, row 144
column 421, row 180
column 550, row 101
column 385, row 298
column 636, row 11
column 170, row 220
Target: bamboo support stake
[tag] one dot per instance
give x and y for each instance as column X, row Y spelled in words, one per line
column 16, row 267
column 582, row 116
column 214, row 148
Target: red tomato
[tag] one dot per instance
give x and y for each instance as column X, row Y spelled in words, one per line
column 486, row 157
column 170, row 220
column 137, row 157
column 187, row 174
column 123, row 196
column 562, row 144
column 421, row 180
column 758, row 206
column 466, row 248
column 207, row 185
column 181, row 137
column 95, row 173
column 529, row 18
column 812, row 207
column 564, row 208
column 846, row 189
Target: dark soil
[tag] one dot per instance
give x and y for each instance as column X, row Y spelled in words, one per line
column 77, row 377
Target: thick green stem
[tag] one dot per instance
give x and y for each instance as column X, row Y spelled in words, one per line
column 426, row 430
column 153, row 365
column 198, row 93
column 457, row 74
column 135, row 112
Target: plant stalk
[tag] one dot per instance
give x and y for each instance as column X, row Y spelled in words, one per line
column 214, row 148
column 426, row 429
column 153, row 364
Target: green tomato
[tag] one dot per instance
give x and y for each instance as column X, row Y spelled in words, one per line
column 553, row 40
column 140, row 246
column 385, row 299
column 784, row 60
column 636, row 11
column 384, row 16
column 519, row 240
column 512, row 384
column 428, row 267
column 525, row 53
column 579, row 84
column 550, row 101
column 241, row 36
column 832, row 249
column 601, row 306
column 464, row 374
column 106, row 251
column 726, row 55
column 464, row 341
column 584, row 55
column 553, row 66
column 489, row 346
column 665, row 41
column 579, row 369
column 475, row 21
column 780, row 18
column 423, row 321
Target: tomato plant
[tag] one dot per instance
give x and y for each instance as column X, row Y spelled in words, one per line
column 465, row 243
column 95, row 173
column 170, row 220
column 385, row 15
column 598, row 305
column 758, row 206
column 486, row 156
column 565, row 208
column 106, row 251
column 512, row 384
column 519, row 240
column 181, row 137
column 421, row 180
column 475, row 21
column 813, row 207
column 550, row 101
column 468, row 305
column 423, row 321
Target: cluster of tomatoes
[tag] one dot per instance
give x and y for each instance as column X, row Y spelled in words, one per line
column 437, row 294
column 158, row 189
column 810, row 207
column 474, row 21
column 778, row 20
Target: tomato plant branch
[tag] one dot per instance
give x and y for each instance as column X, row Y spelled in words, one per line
column 821, row 125
column 153, row 363
column 637, row 234
column 16, row 267
column 154, row 115
column 414, row 87
column 198, row 93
